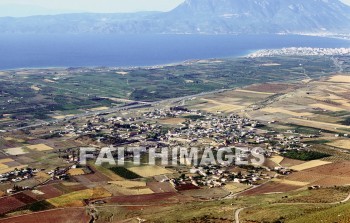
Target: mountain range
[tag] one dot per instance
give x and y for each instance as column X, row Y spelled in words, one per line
column 200, row 17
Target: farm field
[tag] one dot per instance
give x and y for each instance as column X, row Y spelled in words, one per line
column 254, row 92
column 76, row 172
column 16, row 151
column 298, row 104
column 45, row 192
column 236, row 187
column 173, row 121
column 8, row 204
column 68, row 215
column 118, row 190
column 272, row 87
column 149, row 171
column 161, row 187
column 343, row 144
column 128, row 183
column 308, row 165
column 340, row 78
column 99, row 108
column 277, row 159
column 5, row 169
column 284, row 111
column 217, row 106
column 206, row 194
column 127, row 187
column 290, row 162
column 290, row 182
column 325, row 175
column 39, row 147
column 76, row 198
column 271, row 188
column 320, row 125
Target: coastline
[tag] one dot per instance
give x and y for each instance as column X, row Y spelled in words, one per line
column 244, row 53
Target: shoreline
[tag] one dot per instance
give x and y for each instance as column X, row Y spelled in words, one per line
column 124, row 67
column 246, row 54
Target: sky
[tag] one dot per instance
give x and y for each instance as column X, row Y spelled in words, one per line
column 34, row 7
column 44, row 7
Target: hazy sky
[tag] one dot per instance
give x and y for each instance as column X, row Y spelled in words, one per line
column 34, row 7
column 28, row 7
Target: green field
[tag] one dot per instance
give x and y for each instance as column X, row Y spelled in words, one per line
column 125, row 173
column 304, row 155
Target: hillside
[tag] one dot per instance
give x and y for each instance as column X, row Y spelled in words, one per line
column 200, row 17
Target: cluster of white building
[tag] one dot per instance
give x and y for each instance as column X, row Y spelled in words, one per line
column 301, row 51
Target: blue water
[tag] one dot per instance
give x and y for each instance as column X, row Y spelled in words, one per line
column 33, row 51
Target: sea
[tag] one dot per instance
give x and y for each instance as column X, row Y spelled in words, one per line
column 94, row 50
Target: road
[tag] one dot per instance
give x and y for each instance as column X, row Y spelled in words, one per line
column 237, row 212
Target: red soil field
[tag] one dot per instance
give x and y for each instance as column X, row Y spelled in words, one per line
column 24, row 198
column 183, row 187
column 68, row 215
column 305, row 177
column 270, row 188
column 270, row 164
column 8, row 204
column 50, row 191
column 334, row 174
column 70, row 188
column 97, row 177
column 159, row 187
column 333, row 181
column 93, row 177
column 341, row 169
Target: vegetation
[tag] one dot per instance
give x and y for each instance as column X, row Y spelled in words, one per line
column 194, row 117
column 346, row 121
column 321, row 141
column 339, row 213
column 125, row 173
column 304, row 155
column 40, row 206
column 308, row 130
column 83, row 88
column 77, row 197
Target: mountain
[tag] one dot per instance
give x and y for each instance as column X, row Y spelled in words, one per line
column 265, row 16
column 200, row 17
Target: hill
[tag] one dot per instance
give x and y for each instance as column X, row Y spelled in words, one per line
column 200, row 17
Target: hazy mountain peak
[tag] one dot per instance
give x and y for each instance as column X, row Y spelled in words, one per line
column 203, row 16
